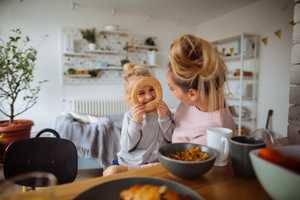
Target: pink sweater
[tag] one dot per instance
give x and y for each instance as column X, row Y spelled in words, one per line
column 191, row 123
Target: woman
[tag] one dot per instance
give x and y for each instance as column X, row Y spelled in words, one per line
column 196, row 77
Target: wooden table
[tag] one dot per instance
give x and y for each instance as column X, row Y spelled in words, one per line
column 219, row 183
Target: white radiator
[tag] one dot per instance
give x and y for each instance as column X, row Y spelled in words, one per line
column 97, row 107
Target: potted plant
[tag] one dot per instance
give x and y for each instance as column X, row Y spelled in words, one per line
column 90, row 36
column 17, row 94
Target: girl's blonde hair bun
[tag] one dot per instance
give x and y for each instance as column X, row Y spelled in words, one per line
column 131, row 69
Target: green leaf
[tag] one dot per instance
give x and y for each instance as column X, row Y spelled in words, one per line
column 17, row 64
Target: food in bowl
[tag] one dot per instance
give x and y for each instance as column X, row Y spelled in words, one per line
column 191, row 154
column 182, row 168
column 279, row 181
column 150, row 192
column 276, row 157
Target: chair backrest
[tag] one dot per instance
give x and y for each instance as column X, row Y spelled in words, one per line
column 44, row 154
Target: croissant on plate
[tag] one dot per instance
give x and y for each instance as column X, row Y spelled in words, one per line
column 150, row 192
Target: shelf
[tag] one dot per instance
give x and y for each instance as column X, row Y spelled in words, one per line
column 89, row 53
column 111, row 68
column 106, row 58
column 79, row 76
column 238, row 78
column 245, row 119
column 237, row 58
column 121, row 68
column 105, row 52
column 233, row 38
column 114, row 33
column 143, row 47
column 243, row 99
column 243, row 79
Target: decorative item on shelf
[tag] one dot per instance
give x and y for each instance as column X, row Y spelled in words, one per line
column 148, row 45
column 227, row 54
column 233, row 111
column 94, row 73
column 228, row 51
column 71, row 71
column 246, row 112
column 231, row 50
column 237, row 73
column 245, row 131
column 292, row 22
column 83, row 73
column 124, row 61
column 264, row 40
column 111, row 27
column 17, row 92
column 246, row 91
column 249, row 47
column 151, row 58
column 223, row 51
column 135, row 48
column 90, row 36
column 150, row 42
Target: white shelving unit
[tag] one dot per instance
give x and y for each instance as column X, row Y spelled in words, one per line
column 111, row 48
column 241, row 57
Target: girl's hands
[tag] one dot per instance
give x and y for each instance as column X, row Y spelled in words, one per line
column 138, row 112
column 163, row 110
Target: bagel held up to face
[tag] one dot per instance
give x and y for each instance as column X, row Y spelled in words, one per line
column 147, row 83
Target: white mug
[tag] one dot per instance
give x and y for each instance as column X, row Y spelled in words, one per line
column 218, row 139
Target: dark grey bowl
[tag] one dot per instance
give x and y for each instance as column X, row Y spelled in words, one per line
column 111, row 190
column 186, row 169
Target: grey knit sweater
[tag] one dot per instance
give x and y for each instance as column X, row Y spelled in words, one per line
column 140, row 141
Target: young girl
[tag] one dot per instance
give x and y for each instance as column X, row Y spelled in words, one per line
column 142, row 132
column 196, row 77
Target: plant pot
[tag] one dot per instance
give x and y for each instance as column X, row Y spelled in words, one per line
column 92, row 46
column 10, row 132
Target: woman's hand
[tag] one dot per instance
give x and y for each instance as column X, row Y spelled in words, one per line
column 163, row 110
column 138, row 112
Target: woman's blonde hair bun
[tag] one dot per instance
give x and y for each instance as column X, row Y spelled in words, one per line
column 195, row 63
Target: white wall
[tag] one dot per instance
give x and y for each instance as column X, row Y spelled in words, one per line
column 263, row 18
column 43, row 21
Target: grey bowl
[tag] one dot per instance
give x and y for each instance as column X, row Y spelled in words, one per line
column 186, row 169
column 111, row 190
